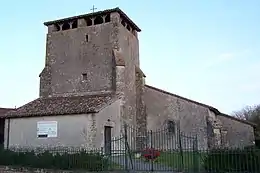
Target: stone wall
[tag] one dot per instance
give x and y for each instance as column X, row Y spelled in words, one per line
column 191, row 117
column 84, row 50
column 238, row 134
column 82, row 130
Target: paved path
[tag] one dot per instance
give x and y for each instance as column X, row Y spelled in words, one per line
column 140, row 165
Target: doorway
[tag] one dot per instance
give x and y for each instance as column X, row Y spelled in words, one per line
column 108, row 139
column 2, row 131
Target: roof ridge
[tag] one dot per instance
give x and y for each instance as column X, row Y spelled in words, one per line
column 215, row 110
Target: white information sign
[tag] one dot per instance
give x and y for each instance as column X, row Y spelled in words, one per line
column 47, row 129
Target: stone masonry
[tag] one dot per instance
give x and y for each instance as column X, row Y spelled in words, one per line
column 96, row 56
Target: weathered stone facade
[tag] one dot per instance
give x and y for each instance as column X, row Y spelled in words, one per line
column 212, row 128
column 98, row 54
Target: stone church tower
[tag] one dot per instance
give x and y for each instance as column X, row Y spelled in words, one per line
column 93, row 54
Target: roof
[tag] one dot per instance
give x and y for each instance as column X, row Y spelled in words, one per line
column 4, row 111
column 117, row 9
column 216, row 111
column 238, row 119
column 61, row 106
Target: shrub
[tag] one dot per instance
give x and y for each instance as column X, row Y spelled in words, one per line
column 150, row 153
column 54, row 160
column 235, row 160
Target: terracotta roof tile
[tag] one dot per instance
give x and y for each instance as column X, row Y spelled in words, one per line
column 3, row 111
column 61, row 106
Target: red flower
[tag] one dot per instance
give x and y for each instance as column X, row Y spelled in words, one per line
column 150, row 153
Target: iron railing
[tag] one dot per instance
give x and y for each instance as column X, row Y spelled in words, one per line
column 139, row 151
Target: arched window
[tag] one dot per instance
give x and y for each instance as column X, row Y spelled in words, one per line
column 65, row 26
column 75, row 24
column 98, row 20
column 88, row 21
column 107, row 18
column 171, row 127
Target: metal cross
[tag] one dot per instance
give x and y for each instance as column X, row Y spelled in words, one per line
column 93, row 9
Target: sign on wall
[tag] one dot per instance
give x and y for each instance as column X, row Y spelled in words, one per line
column 47, row 129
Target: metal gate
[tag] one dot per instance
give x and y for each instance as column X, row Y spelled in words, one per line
column 158, row 150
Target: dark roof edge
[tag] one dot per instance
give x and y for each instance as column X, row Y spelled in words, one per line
column 42, row 115
column 237, row 119
column 117, row 9
column 216, row 111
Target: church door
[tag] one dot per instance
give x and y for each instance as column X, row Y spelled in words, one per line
column 108, row 140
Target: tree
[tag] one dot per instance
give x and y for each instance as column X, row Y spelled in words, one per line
column 252, row 114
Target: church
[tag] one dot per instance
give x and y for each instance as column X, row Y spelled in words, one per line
column 92, row 87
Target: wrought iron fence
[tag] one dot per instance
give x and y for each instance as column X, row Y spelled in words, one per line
column 158, row 150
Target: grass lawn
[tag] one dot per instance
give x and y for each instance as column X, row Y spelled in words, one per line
column 187, row 161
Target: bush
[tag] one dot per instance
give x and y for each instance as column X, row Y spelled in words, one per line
column 150, row 153
column 235, row 160
column 54, row 160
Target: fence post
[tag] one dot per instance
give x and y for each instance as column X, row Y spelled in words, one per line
column 195, row 155
column 151, row 134
column 180, row 146
column 125, row 136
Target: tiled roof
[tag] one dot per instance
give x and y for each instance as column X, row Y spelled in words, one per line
column 61, row 106
column 3, row 111
column 122, row 14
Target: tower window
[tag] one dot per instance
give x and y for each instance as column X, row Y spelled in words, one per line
column 171, row 127
column 57, row 27
column 88, row 21
column 75, row 24
column 65, row 26
column 84, row 76
column 86, row 38
column 128, row 28
column 107, row 18
column 98, row 20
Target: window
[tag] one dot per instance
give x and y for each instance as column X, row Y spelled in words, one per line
column 86, row 37
column 171, row 127
column 84, row 76
column 98, row 20
column 43, row 136
column 75, row 24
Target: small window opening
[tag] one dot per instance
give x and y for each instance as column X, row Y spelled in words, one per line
column 86, row 37
column 107, row 18
column 128, row 28
column 84, row 76
column 123, row 23
column 43, row 136
column 171, row 127
column 98, row 20
column 88, row 21
column 57, row 27
column 65, row 26
column 75, row 24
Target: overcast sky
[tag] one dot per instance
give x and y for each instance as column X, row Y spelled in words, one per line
column 205, row 50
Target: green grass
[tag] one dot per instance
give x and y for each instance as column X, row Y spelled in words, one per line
column 186, row 160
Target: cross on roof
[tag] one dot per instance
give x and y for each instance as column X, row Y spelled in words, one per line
column 93, row 9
